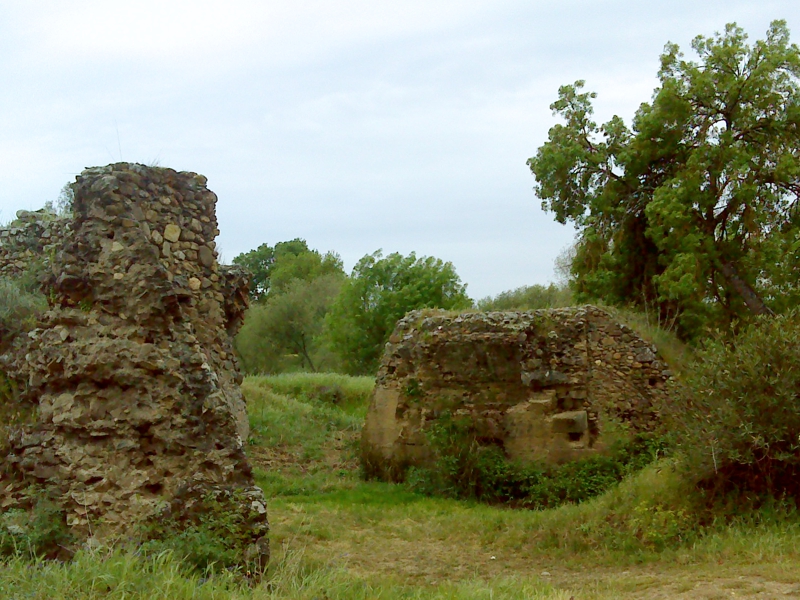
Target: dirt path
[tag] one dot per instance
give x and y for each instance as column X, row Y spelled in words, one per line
column 690, row 582
column 418, row 560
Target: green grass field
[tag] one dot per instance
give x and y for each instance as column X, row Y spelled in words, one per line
column 335, row 536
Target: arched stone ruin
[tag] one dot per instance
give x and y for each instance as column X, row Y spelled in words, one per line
column 540, row 384
column 129, row 378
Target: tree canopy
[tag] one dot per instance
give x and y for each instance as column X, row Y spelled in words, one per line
column 274, row 268
column 693, row 210
column 379, row 292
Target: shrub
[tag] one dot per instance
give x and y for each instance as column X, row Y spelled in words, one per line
column 379, row 292
column 737, row 421
column 284, row 332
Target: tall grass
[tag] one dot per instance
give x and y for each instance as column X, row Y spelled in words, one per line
column 20, row 304
column 122, row 575
column 304, row 442
column 294, row 424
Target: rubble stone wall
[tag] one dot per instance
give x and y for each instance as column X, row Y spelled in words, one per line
column 540, row 384
column 33, row 236
column 132, row 372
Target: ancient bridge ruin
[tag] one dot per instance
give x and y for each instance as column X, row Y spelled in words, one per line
column 129, row 380
column 542, row 385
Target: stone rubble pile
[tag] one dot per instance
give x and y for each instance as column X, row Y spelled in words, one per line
column 139, row 415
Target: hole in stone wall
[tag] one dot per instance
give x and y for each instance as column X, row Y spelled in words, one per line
column 652, row 381
column 489, row 441
column 575, row 436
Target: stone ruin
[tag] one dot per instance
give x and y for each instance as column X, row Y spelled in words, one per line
column 542, row 385
column 33, row 236
column 130, row 378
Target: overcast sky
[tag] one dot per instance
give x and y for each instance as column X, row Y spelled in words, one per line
column 354, row 124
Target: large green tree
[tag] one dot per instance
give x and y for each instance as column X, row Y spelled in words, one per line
column 379, row 292
column 293, row 287
column 285, row 331
column 693, row 210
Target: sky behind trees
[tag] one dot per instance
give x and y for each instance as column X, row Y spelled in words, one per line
column 356, row 125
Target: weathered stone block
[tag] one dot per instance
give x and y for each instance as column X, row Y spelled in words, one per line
column 575, row 421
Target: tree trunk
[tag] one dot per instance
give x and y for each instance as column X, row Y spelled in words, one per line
column 741, row 287
column 304, row 352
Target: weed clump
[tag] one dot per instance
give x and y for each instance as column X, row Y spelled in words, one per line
column 39, row 531
column 214, row 536
column 20, row 304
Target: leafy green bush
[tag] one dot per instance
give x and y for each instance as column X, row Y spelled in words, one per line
column 284, row 331
column 737, row 421
column 464, row 468
column 379, row 292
